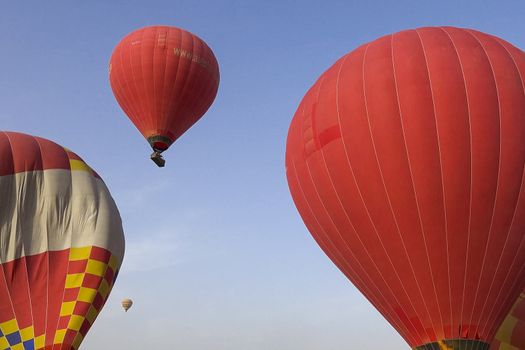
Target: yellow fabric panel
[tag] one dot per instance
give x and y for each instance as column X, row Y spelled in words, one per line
column 74, row 280
column 75, row 322
column 9, row 327
column 104, row 289
column 4, row 344
column 86, row 294
column 59, row 336
column 505, row 330
column 77, row 341
column 92, row 314
column 19, row 346
column 96, row 268
column 76, row 164
column 67, row 308
column 79, row 253
column 505, row 346
column 40, row 341
column 27, row 333
column 113, row 262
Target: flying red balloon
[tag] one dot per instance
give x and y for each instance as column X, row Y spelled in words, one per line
column 405, row 160
column 165, row 79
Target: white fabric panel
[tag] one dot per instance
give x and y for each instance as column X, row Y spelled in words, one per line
column 54, row 210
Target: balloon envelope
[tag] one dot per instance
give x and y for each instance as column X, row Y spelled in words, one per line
column 61, row 244
column 165, row 79
column 405, row 160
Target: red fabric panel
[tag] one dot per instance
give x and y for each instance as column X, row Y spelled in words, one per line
column 16, row 276
column 58, row 262
column 37, row 266
column 20, row 152
column 53, row 155
column 25, row 152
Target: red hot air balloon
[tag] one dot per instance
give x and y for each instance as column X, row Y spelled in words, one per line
column 165, row 79
column 405, row 160
column 61, row 244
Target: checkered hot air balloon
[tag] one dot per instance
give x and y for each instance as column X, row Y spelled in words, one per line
column 61, row 244
column 165, row 79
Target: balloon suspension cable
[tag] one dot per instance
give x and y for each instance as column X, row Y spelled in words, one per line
column 157, row 158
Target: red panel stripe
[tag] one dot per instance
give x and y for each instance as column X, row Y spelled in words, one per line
column 17, row 283
column 37, row 267
column 58, row 262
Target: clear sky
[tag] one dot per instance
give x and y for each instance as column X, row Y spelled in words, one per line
column 217, row 256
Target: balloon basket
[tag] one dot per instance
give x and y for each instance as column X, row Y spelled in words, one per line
column 156, row 157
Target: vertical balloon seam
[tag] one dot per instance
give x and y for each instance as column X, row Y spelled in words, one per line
column 156, row 47
column 182, row 108
column 168, row 84
column 375, row 230
column 389, row 201
column 188, row 117
column 140, row 116
column 414, row 332
column 198, row 90
column 66, row 214
column 173, row 94
column 164, row 102
column 416, row 200
column 461, row 324
column 157, row 52
column 517, row 199
column 381, row 308
column 136, row 72
column 453, row 330
column 522, row 244
column 496, row 195
column 335, row 248
column 40, row 154
column 128, row 107
column 8, row 292
column 17, row 236
column 148, row 104
column 398, row 324
column 501, row 43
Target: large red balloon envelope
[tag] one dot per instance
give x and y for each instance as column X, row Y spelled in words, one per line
column 405, row 161
column 165, row 79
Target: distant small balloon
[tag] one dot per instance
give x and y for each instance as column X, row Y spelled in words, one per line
column 126, row 304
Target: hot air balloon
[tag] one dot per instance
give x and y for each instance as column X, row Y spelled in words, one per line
column 165, row 79
column 61, row 244
column 127, row 304
column 405, row 161
column 511, row 334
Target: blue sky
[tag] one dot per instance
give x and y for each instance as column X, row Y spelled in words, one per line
column 217, row 255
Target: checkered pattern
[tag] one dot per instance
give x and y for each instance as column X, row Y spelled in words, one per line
column 91, row 274
column 14, row 338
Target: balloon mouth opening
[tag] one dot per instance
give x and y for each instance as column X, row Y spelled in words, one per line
column 159, row 143
column 454, row 344
column 160, row 146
